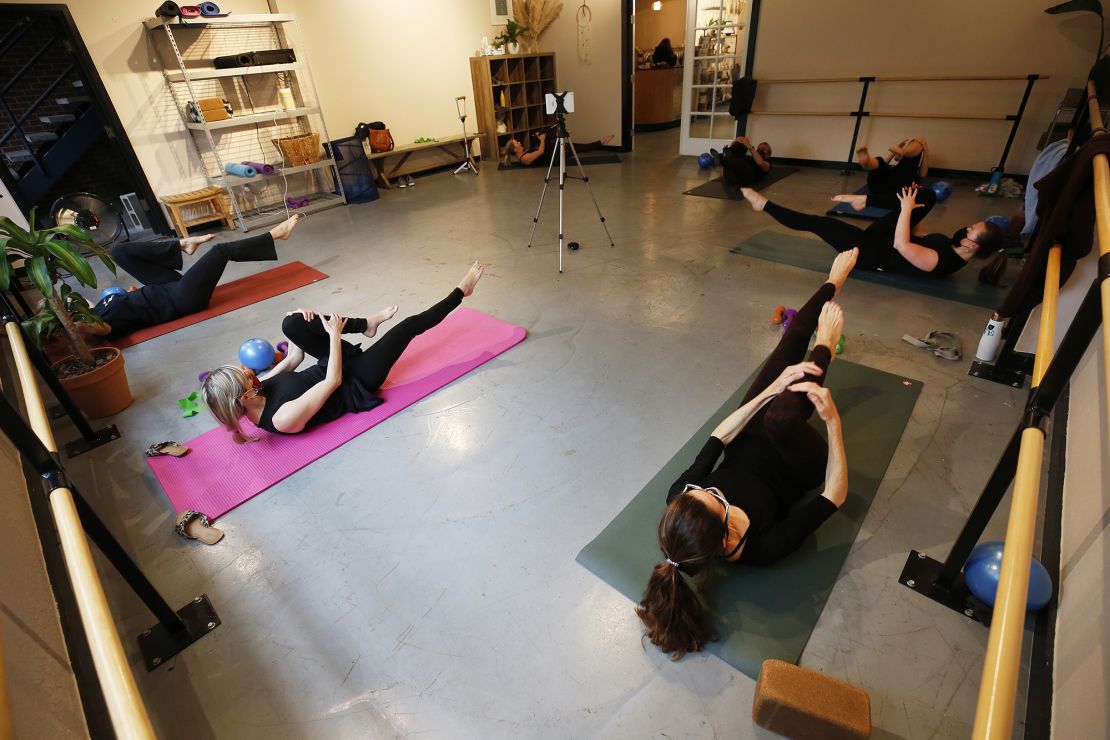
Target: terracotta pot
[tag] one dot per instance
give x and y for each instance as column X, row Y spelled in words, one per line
column 102, row 392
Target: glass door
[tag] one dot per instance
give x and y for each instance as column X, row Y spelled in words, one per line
column 716, row 46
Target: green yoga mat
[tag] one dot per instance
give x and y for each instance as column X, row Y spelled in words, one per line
column 812, row 254
column 718, row 188
column 762, row 613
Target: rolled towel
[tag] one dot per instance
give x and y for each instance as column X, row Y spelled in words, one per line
column 263, row 168
column 167, row 10
column 209, row 9
column 240, row 170
column 190, row 11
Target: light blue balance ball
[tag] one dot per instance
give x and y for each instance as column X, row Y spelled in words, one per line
column 984, row 566
column 257, row 354
column 112, row 290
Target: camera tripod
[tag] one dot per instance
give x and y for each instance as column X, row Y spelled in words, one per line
column 562, row 143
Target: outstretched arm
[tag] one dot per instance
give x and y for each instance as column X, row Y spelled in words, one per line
column 836, row 470
column 920, row 257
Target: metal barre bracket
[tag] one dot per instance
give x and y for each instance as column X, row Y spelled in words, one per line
column 102, row 436
column 158, row 644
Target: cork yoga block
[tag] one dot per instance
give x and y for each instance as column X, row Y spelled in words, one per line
column 805, row 705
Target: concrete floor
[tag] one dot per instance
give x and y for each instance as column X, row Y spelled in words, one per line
column 421, row 579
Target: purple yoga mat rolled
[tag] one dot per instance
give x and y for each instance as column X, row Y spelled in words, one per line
column 209, row 9
column 263, row 168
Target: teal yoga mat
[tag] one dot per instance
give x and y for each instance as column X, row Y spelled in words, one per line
column 812, row 254
column 762, row 613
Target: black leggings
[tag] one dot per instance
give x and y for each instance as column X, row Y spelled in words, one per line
column 875, row 242
column 158, row 262
column 784, row 421
column 372, row 365
column 888, row 178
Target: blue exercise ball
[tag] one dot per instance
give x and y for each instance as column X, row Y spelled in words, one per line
column 984, row 566
column 942, row 190
column 111, row 290
column 705, row 160
column 257, row 354
column 1000, row 221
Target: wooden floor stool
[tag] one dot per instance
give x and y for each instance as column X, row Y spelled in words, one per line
column 807, row 705
column 198, row 207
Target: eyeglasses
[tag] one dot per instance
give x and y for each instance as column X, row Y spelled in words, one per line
column 712, row 492
column 256, row 388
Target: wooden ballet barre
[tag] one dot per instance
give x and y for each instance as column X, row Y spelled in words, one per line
column 121, row 694
column 947, row 116
column 844, row 114
column 863, row 78
column 994, row 713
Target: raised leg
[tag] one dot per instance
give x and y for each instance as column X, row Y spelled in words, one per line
column 313, row 338
column 194, row 290
column 151, row 262
column 837, row 234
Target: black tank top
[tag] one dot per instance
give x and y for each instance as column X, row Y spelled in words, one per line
column 350, row 397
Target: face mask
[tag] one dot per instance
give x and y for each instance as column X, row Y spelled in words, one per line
column 958, row 237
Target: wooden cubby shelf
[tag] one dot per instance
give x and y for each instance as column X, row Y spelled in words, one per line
column 521, row 81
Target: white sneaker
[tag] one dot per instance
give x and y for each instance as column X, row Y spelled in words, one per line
column 401, row 182
column 411, row 182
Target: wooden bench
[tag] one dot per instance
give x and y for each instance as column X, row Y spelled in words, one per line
column 452, row 145
column 198, row 207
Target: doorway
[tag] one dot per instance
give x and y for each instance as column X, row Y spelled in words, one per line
column 59, row 133
column 716, row 53
column 660, row 39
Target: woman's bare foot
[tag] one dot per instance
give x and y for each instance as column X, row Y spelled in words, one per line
column 190, row 243
column 754, row 197
column 842, row 266
column 473, row 275
column 605, row 139
column 830, row 326
column 375, row 320
column 285, row 228
column 858, row 201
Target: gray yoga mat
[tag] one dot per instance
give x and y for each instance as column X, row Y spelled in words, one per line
column 585, row 159
column 762, row 613
column 812, row 254
column 718, row 188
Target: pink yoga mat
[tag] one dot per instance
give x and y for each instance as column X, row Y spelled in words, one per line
column 217, row 475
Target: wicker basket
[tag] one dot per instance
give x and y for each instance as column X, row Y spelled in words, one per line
column 299, row 150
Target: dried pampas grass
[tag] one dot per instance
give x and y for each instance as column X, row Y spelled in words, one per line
column 536, row 16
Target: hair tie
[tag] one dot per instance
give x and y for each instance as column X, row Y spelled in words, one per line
column 673, row 563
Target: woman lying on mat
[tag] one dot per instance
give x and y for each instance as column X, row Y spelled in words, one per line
column 344, row 379
column 514, row 148
column 740, row 510
column 167, row 293
column 909, row 164
column 893, row 243
column 744, row 164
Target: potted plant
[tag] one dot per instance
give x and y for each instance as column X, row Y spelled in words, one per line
column 94, row 378
column 511, row 36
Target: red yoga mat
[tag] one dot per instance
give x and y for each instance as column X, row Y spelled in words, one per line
column 217, row 475
column 230, row 296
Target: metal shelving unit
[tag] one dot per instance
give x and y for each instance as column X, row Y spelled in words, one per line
column 186, row 53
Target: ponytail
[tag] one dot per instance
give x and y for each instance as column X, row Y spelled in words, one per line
column 673, row 616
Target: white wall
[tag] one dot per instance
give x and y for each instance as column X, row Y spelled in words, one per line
column 817, row 38
column 1081, row 674
column 597, row 84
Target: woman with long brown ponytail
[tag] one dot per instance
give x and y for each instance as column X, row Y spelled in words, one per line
column 747, row 509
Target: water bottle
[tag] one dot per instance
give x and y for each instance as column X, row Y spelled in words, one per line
column 991, row 339
column 996, row 180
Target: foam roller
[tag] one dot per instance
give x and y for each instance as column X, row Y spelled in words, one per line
column 262, row 167
column 240, row 170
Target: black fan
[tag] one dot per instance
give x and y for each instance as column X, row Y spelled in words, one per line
column 91, row 213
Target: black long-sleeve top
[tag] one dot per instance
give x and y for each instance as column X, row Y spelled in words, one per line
column 757, row 484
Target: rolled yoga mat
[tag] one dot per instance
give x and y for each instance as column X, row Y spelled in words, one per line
column 812, row 254
column 240, row 169
column 718, row 188
column 217, row 475
column 168, row 10
column 190, row 11
column 262, row 167
column 209, row 9
column 762, row 613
